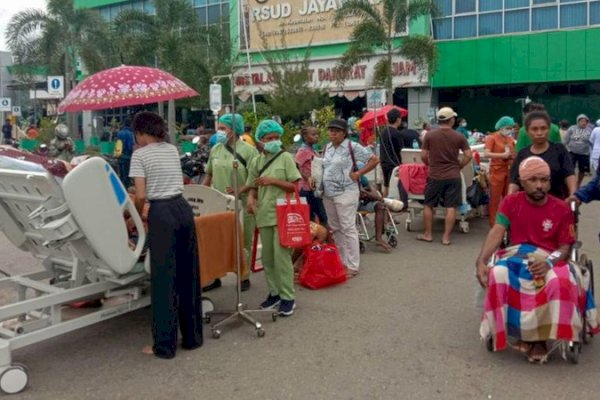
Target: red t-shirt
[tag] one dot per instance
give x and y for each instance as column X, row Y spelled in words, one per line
column 548, row 226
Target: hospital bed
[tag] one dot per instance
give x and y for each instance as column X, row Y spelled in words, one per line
column 415, row 206
column 78, row 230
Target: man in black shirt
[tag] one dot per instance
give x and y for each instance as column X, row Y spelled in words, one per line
column 391, row 146
column 410, row 137
column 7, row 132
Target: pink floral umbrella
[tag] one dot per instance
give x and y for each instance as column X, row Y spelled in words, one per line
column 124, row 86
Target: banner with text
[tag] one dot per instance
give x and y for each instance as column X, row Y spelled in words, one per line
column 324, row 74
column 297, row 23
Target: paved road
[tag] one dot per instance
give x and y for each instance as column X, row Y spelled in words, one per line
column 407, row 328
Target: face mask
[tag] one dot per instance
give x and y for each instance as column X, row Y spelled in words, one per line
column 273, row 147
column 463, row 124
column 221, row 137
column 507, row 132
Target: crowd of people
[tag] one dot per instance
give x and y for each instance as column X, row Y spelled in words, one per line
column 531, row 173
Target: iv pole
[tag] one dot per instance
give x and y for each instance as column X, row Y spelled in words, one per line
column 241, row 311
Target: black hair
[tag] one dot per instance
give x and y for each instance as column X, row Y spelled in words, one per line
column 393, row 115
column 533, row 107
column 306, row 129
column 564, row 124
column 151, row 124
column 247, row 128
column 534, row 115
column 127, row 122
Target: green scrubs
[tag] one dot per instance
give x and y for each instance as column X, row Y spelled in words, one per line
column 277, row 260
column 220, row 167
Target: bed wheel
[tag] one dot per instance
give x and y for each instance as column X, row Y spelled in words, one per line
column 14, row 379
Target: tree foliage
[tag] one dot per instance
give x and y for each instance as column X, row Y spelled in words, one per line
column 56, row 39
column 376, row 32
column 292, row 97
column 173, row 39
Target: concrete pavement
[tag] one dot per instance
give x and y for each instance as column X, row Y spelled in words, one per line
column 406, row 328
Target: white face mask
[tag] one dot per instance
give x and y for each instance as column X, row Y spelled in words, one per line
column 508, row 131
column 463, row 124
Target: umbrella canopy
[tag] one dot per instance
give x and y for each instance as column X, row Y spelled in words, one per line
column 124, row 86
column 367, row 121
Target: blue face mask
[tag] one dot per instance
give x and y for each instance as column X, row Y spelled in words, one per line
column 221, row 137
column 273, row 147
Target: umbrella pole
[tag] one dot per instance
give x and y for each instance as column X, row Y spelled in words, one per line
column 241, row 311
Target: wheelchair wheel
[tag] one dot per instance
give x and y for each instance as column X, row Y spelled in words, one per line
column 393, row 240
column 489, row 344
column 573, row 351
column 362, row 247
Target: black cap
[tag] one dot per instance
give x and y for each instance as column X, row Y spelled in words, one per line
column 338, row 123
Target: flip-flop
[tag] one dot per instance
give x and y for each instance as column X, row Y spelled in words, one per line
column 422, row 238
column 350, row 273
column 540, row 358
column 446, row 243
column 386, row 247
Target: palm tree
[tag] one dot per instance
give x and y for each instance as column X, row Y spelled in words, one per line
column 57, row 38
column 376, row 31
column 174, row 40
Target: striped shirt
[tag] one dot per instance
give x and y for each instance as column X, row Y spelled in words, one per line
column 159, row 164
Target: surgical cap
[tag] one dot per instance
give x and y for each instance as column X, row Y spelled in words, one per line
column 237, row 126
column 504, row 122
column 268, row 126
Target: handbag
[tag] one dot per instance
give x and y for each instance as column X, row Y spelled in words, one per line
column 322, row 267
column 293, row 221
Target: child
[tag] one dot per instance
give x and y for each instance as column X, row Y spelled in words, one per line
column 175, row 289
column 304, row 157
column 270, row 176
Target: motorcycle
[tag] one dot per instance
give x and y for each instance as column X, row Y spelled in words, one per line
column 193, row 165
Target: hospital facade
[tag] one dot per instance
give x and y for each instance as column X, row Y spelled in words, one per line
column 493, row 54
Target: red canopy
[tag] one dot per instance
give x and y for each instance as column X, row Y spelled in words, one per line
column 366, row 122
column 124, row 86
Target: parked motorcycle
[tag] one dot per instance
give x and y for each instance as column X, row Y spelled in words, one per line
column 193, row 165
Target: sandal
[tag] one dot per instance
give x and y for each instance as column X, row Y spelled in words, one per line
column 351, row 273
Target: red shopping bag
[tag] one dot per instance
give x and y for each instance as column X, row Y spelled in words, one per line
column 293, row 221
column 322, row 267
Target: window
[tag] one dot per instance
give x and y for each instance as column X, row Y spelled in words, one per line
column 442, row 28
column 543, row 18
column 198, row 3
column 459, row 19
column 490, row 5
column 444, row 7
column 573, row 15
column 595, row 13
column 516, row 3
column 465, row 27
column 214, row 14
column 464, row 6
column 516, row 21
column 490, row 24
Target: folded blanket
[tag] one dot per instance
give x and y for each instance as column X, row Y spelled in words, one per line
column 515, row 307
column 215, row 234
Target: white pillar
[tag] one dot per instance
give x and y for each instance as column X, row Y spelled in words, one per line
column 87, row 126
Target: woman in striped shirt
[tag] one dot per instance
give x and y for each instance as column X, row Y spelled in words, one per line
column 175, row 291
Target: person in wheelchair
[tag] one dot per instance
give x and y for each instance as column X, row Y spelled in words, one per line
column 532, row 293
column 371, row 201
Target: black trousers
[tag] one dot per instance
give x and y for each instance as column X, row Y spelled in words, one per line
column 175, row 292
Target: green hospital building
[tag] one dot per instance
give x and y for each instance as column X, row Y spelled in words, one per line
column 493, row 54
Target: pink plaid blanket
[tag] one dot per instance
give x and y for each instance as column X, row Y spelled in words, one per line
column 515, row 307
